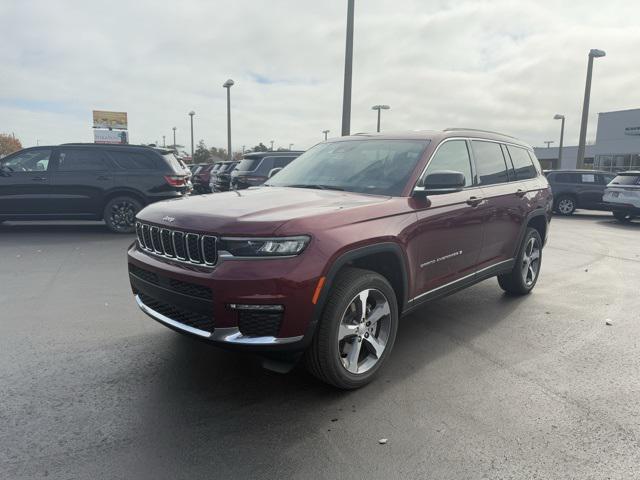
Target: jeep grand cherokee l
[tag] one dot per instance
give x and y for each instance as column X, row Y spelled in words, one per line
column 88, row 182
column 622, row 196
column 323, row 260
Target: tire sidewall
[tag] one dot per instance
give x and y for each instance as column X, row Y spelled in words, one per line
column 333, row 316
column 107, row 210
column 531, row 232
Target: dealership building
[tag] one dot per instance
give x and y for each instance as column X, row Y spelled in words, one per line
column 617, row 146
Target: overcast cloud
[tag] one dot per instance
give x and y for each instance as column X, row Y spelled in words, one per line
column 500, row 65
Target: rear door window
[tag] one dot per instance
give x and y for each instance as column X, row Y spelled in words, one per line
column 588, row 178
column 522, row 164
column 82, row 160
column 490, row 162
column 565, row 177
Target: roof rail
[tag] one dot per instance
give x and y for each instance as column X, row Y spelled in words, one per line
column 455, row 129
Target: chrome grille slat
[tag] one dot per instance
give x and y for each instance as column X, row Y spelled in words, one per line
column 186, row 247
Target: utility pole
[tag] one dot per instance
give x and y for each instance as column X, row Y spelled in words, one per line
column 548, row 142
column 348, row 68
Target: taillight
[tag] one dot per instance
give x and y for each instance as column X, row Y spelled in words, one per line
column 176, row 180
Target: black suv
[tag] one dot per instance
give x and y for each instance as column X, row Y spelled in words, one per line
column 578, row 189
column 255, row 168
column 89, row 182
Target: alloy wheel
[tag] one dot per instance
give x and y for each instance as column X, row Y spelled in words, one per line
column 364, row 331
column 530, row 261
column 122, row 215
column 565, row 206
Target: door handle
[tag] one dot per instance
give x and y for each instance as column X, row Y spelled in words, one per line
column 520, row 193
column 38, row 179
column 474, row 201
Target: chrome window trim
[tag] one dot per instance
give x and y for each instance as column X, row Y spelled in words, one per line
column 225, row 335
column 459, row 280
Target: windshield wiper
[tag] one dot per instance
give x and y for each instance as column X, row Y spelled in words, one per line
column 316, row 186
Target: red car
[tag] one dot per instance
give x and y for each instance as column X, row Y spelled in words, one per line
column 324, row 259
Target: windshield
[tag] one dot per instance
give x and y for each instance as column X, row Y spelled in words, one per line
column 380, row 167
column 626, row 180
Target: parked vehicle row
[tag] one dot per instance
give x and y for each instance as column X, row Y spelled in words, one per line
column 595, row 190
column 322, row 261
column 89, row 182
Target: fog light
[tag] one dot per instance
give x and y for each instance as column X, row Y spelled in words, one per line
column 254, row 307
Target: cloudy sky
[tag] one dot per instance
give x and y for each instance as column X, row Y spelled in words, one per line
column 499, row 65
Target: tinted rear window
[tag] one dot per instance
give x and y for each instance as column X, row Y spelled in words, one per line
column 626, row 180
column 132, row 160
column 177, row 165
column 564, row 178
column 489, row 162
column 80, row 160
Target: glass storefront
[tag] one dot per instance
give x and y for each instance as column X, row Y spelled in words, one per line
column 617, row 163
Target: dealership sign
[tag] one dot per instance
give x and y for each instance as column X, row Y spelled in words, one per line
column 103, row 119
column 632, row 131
column 111, row 136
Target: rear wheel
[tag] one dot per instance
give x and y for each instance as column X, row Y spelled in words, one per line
column 525, row 272
column 622, row 217
column 565, row 205
column 357, row 330
column 120, row 214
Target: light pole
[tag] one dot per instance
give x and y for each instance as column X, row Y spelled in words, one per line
column 191, row 114
column 272, row 145
column 164, row 144
column 228, row 84
column 557, row 116
column 378, row 108
column 548, row 142
column 593, row 53
column 348, row 67
column 290, row 146
column 325, row 133
column 243, row 149
column 174, row 138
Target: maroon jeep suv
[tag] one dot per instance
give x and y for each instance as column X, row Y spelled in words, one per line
column 323, row 260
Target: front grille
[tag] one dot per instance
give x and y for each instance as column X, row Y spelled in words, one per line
column 174, row 284
column 187, row 247
column 259, row 324
column 187, row 317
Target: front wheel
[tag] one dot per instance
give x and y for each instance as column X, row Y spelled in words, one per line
column 525, row 272
column 357, row 330
column 120, row 214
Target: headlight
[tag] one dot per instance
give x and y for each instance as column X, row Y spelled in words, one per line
column 264, row 247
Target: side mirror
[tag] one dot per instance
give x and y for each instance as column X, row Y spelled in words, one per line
column 273, row 171
column 439, row 182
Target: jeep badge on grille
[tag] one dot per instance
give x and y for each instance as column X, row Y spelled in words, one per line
column 168, row 219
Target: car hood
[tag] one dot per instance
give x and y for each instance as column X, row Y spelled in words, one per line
column 263, row 211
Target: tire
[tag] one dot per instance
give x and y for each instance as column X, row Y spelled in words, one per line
column 565, row 205
column 330, row 357
column 622, row 217
column 120, row 214
column 520, row 281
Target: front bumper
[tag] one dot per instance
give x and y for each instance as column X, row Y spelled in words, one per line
column 176, row 295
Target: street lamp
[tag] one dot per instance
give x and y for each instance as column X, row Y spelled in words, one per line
column 228, row 84
column 593, row 53
column 378, row 108
column 348, row 67
column 272, row 145
column 174, row 138
column 325, row 133
column 164, row 144
column 557, row 116
column 548, row 142
column 191, row 114
column 290, row 146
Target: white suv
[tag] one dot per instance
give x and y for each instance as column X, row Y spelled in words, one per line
column 622, row 195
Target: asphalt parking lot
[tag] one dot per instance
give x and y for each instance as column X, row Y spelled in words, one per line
column 479, row 385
